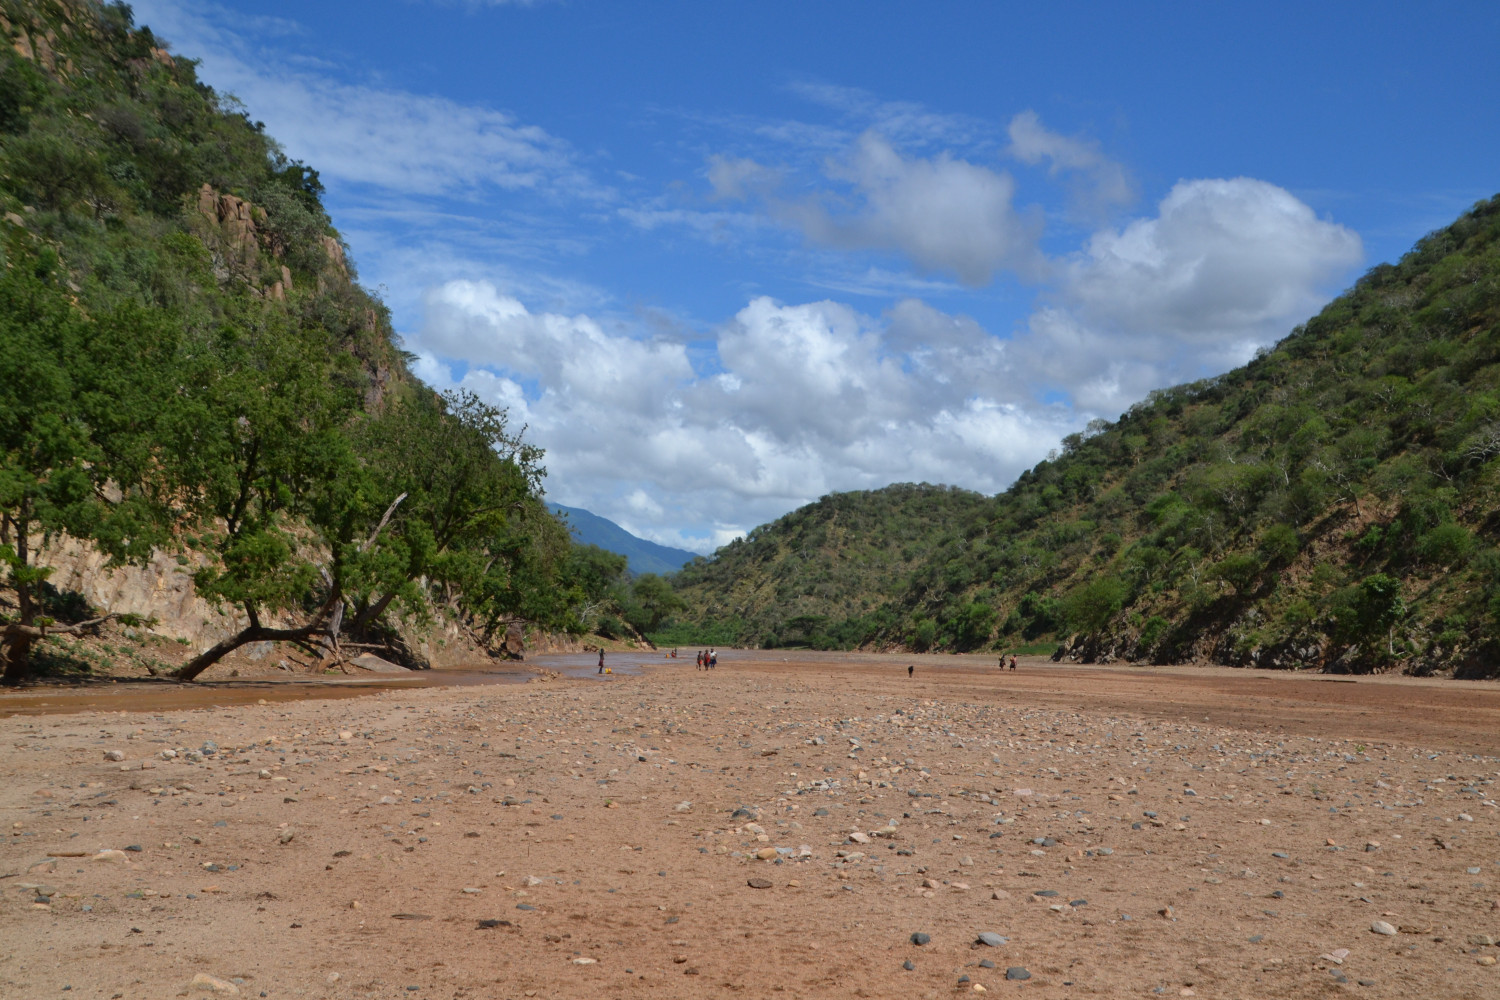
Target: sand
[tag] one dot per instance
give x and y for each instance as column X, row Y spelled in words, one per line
column 1116, row 832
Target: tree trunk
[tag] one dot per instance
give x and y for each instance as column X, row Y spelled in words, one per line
column 15, row 653
column 15, row 650
column 250, row 633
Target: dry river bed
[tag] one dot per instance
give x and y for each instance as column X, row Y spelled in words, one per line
column 817, row 827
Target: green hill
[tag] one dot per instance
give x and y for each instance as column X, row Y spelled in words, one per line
column 1330, row 505
column 825, row 574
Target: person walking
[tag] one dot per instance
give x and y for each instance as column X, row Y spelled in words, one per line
column 713, row 658
column 911, row 669
column 601, row 659
column 1012, row 661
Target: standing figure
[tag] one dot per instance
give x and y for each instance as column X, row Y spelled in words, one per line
column 1013, row 661
column 713, row 658
column 601, row 659
column 911, row 669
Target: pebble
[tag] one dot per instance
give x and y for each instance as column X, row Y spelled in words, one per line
column 204, row 983
column 919, row 938
column 908, row 965
column 1016, row 972
column 115, row 755
column 991, row 938
column 1381, row 927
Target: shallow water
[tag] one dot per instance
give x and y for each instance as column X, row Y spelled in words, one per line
column 164, row 695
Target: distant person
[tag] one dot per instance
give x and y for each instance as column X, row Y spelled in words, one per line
column 911, row 668
column 713, row 658
column 601, row 659
column 698, row 661
column 1013, row 661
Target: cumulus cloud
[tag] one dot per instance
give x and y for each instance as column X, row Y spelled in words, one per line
column 796, row 400
column 1224, row 267
column 1106, row 183
column 788, row 401
column 943, row 213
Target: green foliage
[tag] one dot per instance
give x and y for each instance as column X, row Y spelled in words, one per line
column 1364, row 446
column 1090, row 606
column 187, row 360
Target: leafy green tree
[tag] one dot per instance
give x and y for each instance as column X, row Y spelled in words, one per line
column 78, row 402
column 1089, row 607
column 654, row 600
column 972, row 625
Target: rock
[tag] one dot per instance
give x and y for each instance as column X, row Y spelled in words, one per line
column 1336, row 956
column 204, row 983
column 991, row 939
column 999, row 894
column 1372, row 846
column 908, row 965
column 1481, row 940
column 209, row 748
column 374, row 664
column 115, row 755
column 966, row 862
column 1381, row 927
column 1017, row 973
column 110, row 856
column 683, row 807
column 584, row 960
column 1485, row 960
column 287, row 835
column 920, row 939
column 766, row 854
column 759, row 883
column 858, row 838
column 345, row 734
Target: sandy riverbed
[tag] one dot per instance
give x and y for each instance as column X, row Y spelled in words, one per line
column 1125, row 831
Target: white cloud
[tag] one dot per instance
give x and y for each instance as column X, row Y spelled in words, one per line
column 797, row 401
column 1221, row 258
column 943, row 213
column 791, row 401
column 1107, row 183
column 1225, row 266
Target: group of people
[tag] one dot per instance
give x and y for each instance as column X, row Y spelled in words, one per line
column 707, row 659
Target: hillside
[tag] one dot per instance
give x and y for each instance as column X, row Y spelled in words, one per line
column 824, row 575
column 1330, row 505
column 206, row 423
column 641, row 556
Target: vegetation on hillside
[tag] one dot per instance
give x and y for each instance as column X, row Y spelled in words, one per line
column 187, row 361
column 1331, row 504
column 823, row 575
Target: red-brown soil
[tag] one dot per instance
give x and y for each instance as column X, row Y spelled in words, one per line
column 606, row 808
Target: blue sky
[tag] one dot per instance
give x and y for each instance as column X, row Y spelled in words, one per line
column 724, row 258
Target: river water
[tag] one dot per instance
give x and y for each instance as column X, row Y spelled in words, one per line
column 164, row 695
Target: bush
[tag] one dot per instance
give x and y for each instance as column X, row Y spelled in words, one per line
column 1089, row 608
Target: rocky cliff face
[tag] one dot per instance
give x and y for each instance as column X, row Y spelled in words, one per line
column 162, row 589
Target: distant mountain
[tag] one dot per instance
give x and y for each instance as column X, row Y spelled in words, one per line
column 644, row 557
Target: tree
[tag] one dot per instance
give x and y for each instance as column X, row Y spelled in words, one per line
column 284, row 508
column 1089, row 607
column 78, row 402
column 655, row 600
